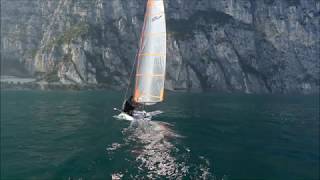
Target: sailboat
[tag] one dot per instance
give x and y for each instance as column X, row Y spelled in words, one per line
column 150, row 62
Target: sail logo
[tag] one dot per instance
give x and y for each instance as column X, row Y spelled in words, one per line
column 156, row 18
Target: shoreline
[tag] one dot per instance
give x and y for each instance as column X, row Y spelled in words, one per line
column 18, row 83
column 41, row 86
column 44, row 86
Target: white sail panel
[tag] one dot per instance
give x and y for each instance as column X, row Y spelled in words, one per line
column 151, row 62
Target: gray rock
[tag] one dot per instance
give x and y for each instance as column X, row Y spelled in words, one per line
column 263, row 46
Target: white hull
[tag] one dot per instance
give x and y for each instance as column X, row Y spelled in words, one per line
column 137, row 115
column 124, row 116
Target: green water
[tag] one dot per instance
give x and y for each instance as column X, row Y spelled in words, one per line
column 61, row 135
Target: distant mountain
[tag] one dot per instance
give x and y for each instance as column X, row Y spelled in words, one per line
column 252, row 46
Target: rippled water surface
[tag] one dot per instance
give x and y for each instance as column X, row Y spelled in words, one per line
column 72, row 135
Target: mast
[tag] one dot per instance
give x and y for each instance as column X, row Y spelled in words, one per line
column 151, row 60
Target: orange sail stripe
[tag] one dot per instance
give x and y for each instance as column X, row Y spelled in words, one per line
column 152, row 3
column 148, row 14
column 136, row 95
column 153, row 96
column 152, row 54
column 152, row 75
column 155, row 34
column 161, row 94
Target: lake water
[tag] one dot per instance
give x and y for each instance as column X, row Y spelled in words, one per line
column 72, row 135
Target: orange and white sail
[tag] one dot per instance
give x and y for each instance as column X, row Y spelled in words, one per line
column 151, row 59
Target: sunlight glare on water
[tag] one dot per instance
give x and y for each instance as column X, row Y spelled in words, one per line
column 156, row 154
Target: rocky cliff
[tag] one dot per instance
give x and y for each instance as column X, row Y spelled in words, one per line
column 252, row 46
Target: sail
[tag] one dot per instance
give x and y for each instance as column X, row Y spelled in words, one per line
column 151, row 59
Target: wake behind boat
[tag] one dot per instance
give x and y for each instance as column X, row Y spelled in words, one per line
column 137, row 115
column 149, row 66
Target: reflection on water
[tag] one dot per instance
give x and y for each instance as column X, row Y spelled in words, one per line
column 157, row 153
column 154, row 152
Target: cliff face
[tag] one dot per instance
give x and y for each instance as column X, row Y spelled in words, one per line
column 263, row 46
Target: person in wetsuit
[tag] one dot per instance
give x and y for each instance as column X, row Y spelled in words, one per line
column 129, row 106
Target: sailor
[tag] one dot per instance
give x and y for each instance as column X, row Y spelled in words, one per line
column 129, row 106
